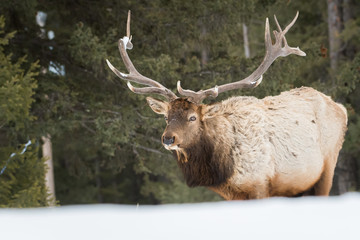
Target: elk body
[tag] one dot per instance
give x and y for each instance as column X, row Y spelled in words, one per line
column 244, row 147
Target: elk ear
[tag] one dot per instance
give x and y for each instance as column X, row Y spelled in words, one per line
column 158, row 106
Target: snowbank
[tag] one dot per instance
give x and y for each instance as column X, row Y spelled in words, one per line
column 276, row 218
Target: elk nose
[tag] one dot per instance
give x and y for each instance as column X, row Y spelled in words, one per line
column 168, row 140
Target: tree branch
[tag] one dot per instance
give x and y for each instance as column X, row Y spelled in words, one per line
column 149, row 149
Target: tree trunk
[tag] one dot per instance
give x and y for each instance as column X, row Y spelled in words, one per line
column 246, row 41
column 347, row 12
column 49, row 177
column 334, row 27
column 204, row 49
column 100, row 198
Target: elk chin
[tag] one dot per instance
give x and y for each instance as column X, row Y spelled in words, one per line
column 172, row 147
column 180, row 153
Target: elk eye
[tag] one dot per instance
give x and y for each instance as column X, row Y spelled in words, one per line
column 192, row 118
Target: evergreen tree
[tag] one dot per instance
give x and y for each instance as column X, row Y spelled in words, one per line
column 22, row 171
column 106, row 141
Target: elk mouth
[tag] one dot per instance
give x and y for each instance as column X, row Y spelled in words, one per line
column 172, row 147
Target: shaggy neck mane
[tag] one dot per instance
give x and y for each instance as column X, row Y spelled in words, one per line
column 202, row 165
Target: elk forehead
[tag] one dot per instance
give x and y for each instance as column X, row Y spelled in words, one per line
column 180, row 107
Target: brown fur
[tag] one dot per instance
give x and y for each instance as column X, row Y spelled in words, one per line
column 202, row 166
column 247, row 148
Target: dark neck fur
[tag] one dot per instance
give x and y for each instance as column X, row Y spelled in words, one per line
column 203, row 166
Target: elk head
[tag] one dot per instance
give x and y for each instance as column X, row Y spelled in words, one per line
column 184, row 121
column 185, row 116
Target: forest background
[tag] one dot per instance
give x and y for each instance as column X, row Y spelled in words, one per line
column 55, row 85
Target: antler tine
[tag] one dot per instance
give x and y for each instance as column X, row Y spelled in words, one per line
column 280, row 37
column 280, row 30
column 128, row 24
column 273, row 51
column 290, row 24
column 197, row 97
column 133, row 75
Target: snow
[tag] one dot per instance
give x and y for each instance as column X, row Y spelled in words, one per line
column 51, row 34
column 41, row 18
column 258, row 81
column 13, row 155
column 275, row 218
column 127, row 42
column 56, row 68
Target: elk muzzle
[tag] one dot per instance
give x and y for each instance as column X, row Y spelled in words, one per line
column 170, row 140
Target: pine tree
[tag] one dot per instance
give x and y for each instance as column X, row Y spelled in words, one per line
column 22, row 171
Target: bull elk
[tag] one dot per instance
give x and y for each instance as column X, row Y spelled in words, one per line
column 244, row 147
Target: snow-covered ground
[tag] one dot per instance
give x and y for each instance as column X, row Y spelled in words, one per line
column 276, row 218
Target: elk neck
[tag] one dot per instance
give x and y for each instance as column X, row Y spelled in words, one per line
column 205, row 163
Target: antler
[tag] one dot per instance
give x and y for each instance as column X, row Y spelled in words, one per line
column 134, row 76
column 280, row 48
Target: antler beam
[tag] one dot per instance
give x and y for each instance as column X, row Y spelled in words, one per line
column 279, row 49
column 133, row 75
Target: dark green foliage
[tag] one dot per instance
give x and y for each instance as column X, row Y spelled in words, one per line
column 17, row 86
column 22, row 182
column 106, row 141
